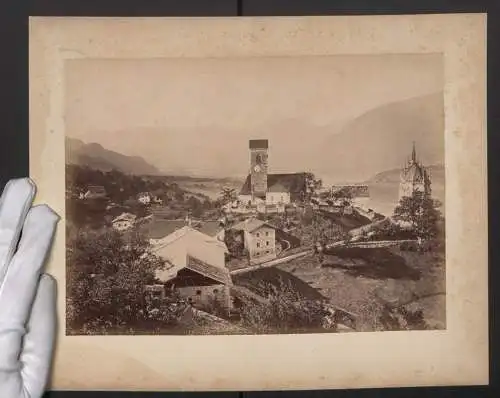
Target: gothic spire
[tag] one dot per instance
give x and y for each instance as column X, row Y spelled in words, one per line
column 414, row 154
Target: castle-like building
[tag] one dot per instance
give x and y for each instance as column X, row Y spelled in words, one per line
column 414, row 177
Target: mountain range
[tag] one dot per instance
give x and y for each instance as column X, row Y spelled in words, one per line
column 381, row 139
column 97, row 157
column 350, row 151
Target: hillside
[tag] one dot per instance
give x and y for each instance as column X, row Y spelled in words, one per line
column 97, row 157
column 381, row 139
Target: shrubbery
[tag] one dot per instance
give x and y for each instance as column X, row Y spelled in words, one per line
column 285, row 312
column 106, row 275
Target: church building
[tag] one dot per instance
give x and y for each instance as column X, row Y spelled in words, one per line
column 261, row 187
column 414, row 177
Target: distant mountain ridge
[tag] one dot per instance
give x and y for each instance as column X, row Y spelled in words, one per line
column 381, row 139
column 97, row 157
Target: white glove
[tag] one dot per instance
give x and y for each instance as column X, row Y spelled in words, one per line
column 27, row 298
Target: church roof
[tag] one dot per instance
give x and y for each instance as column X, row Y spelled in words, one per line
column 414, row 170
column 290, row 182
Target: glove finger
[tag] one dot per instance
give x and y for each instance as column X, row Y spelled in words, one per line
column 15, row 203
column 20, row 282
column 36, row 356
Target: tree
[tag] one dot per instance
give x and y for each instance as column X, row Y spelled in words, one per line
column 421, row 212
column 285, row 311
column 107, row 273
column 345, row 195
column 234, row 245
column 227, row 195
column 313, row 185
column 195, row 206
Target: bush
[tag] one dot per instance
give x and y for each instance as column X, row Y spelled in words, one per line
column 106, row 275
column 400, row 318
column 285, row 312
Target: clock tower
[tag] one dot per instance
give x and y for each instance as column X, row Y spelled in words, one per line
column 258, row 167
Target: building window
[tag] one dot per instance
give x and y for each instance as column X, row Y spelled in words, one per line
column 258, row 244
column 257, row 234
column 216, row 291
column 267, row 233
column 267, row 243
column 198, row 292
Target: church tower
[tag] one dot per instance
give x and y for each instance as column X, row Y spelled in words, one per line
column 258, row 167
column 414, row 177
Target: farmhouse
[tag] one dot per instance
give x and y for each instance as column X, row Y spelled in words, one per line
column 198, row 271
column 95, row 192
column 259, row 239
column 262, row 188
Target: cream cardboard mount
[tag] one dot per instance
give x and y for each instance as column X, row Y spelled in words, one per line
column 457, row 355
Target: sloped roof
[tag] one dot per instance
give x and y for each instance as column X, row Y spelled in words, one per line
column 210, row 228
column 210, row 271
column 195, row 237
column 161, row 228
column 187, row 241
column 414, row 172
column 278, row 187
column 125, row 217
column 290, row 182
column 250, row 225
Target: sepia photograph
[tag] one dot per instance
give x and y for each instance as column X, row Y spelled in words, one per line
column 255, row 195
column 239, row 193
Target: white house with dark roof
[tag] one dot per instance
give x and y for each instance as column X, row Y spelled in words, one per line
column 197, row 268
column 259, row 239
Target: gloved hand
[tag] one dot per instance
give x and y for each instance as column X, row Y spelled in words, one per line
column 27, row 297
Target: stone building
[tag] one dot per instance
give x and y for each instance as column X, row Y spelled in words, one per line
column 262, row 188
column 259, row 239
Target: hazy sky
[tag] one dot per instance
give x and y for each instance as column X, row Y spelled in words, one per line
column 196, row 115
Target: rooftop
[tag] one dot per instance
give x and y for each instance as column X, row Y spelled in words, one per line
column 251, row 224
column 210, row 228
column 259, row 144
column 161, row 228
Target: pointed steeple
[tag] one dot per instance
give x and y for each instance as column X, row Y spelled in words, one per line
column 414, row 154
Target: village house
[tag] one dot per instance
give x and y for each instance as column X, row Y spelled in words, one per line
column 198, row 271
column 269, row 192
column 259, row 239
column 123, row 222
column 144, row 198
column 94, row 192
